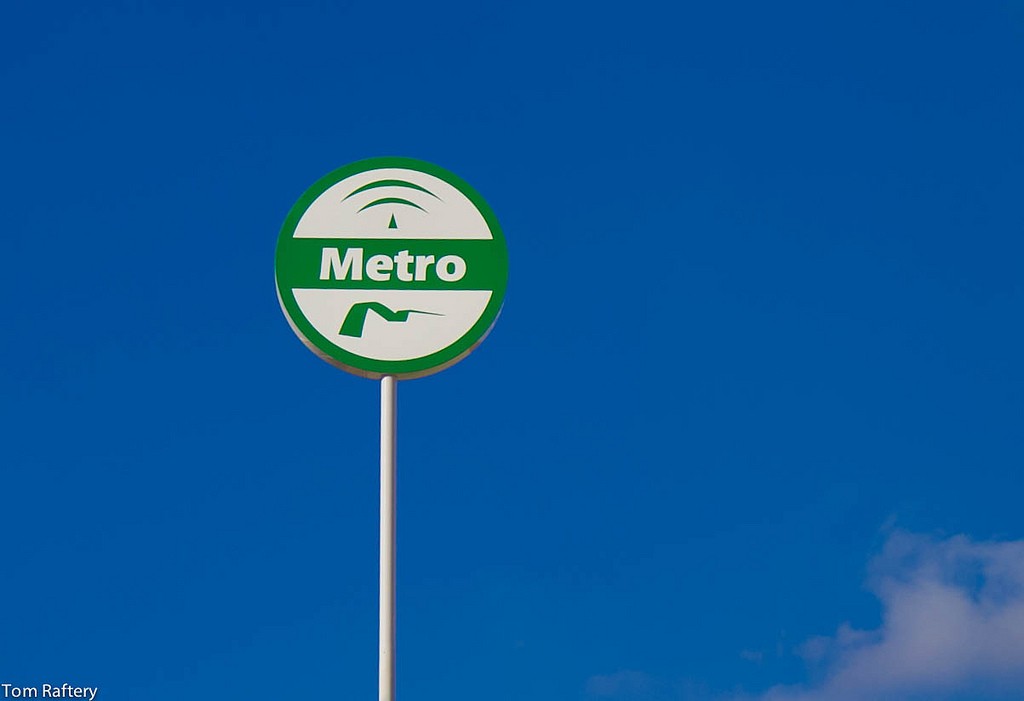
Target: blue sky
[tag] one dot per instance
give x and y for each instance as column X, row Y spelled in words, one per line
column 773, row 441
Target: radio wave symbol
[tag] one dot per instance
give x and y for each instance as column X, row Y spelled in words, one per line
column 356, row 317
column 390, row 200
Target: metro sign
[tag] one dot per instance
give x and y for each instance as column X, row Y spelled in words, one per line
column 391, row 266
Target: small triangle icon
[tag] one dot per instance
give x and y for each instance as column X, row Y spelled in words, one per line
column 393, row 224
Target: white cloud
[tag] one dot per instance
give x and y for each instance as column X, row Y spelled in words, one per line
column 953, row 623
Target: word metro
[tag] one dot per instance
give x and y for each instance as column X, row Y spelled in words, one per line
column 448, row 268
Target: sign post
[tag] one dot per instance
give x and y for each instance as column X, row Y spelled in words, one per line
column 390, row 269
column 388, row 448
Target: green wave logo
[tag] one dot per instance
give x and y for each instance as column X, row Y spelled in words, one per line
column 356, row 317
column 391, row 200
column 392, row 182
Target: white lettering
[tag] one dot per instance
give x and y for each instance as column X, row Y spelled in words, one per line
column 402, row 261
column 379, row 268
column 407, row 268
column 64, row 691
column 457, row 271
column 331, row 262
column 422, row 264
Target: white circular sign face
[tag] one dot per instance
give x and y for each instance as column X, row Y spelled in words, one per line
column 391, row 266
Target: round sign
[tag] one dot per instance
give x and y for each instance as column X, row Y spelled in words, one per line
column 391, row 266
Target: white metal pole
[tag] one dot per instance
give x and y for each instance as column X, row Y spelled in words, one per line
column 388, row 428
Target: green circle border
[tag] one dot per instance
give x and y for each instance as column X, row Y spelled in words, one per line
column 368, row 367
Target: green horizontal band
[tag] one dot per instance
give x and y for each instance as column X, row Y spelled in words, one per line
column 300, row 262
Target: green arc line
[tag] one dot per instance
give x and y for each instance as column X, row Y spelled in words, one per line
column 390, row 183
column 356, row 317
column 391, row 200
